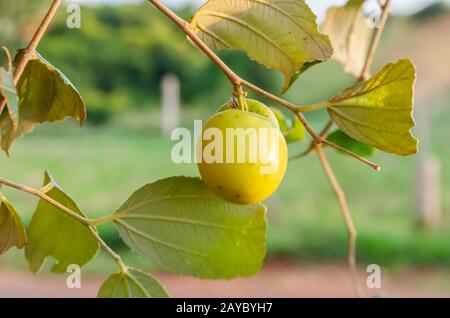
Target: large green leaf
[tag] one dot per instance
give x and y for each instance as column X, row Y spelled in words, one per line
column 45, row 95
column 293, row 130
column 349, row 35
column 12, row 231
column 340, row 138
column 131, row 284
column 183, row 227
column 379, row 111
column 276, row 33
column 8, row 124
column 53, row 233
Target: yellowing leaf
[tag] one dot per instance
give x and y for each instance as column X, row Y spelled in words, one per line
column 349, row 35
column 12, row 231
column 7, row 87
column 276, row 33
column 8, row 128
column 379, row 111
column 8, row 124
column 53, row 233
column 132, row 284
column 45, row 95
column 183, row 227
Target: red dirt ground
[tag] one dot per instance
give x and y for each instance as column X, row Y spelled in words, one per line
column 275, row 280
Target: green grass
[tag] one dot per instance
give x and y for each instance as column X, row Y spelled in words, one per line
column 100, row 167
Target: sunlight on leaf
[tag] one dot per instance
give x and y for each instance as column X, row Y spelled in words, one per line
column 183, row 227
column 279, row 34
column 12, row 231
column 379, row 111
column 8, row 124
column 349, row 35
column 132, row 284
column 53, row 233
column 45, row 95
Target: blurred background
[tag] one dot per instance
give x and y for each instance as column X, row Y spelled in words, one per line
column 126, row 57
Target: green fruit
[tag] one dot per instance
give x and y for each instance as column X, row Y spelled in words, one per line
column 256, row 107
column 245, row 182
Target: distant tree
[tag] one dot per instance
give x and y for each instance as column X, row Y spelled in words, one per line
column 18, row 19
column 431, row 11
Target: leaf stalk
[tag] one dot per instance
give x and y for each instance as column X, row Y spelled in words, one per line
column 86, row 222
column 32, row 45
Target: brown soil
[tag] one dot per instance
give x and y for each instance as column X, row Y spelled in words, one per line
column 275, row 280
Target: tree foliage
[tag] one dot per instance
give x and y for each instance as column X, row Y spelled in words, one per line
column 178, row 222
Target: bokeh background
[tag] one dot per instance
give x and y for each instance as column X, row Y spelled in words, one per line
column 117, row 60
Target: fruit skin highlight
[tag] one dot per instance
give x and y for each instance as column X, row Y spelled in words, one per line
column 245, row 183
column 256, row 107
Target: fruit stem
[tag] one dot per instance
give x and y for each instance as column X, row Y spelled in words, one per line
column 240, row 94
column 314, row 107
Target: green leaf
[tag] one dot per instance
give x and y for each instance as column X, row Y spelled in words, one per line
column 282, row 120
column 12, row 231
column 7, row 87
column 293, row 130
column 8, row 124
column 276, row 33
column 342, row 139
column 296, row 132
column 379, row 111
column 183, row 227
column 349, row 35
column 132, row 284
column 45, row 95
column 53, row 233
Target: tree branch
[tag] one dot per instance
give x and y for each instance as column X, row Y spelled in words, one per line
column 326, row 166
column 365, row 72
column 116, row 257
column 32, row 45
column 347, row 217
column 236, row 80
column 40, row 193
column 386, row 9
column 312, row 145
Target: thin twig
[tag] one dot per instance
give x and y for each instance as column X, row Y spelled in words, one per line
column 237, row 80
column 312, row 145
column 86, row 222
column 184, row 25
column 386, row 9
column 31, row 47
column 327, row 168
column 116, row 257
column 348, row 152
column 41, row 194
column 314, row 107
column 285, row 104
column 346, row 214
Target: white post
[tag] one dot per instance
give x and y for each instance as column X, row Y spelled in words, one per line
column 170, row 105
column 428, row 177
column 428, row 187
